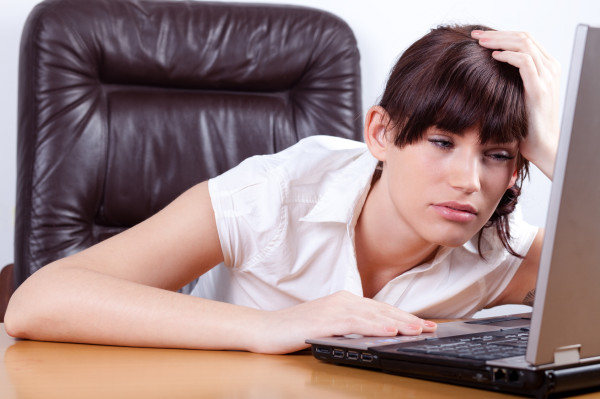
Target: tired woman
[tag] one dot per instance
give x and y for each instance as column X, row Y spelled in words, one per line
column 332, row 236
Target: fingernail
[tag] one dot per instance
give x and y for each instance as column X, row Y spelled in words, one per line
column 428, row 323
column 413, row 327
column 476, row 32
column 391, row 330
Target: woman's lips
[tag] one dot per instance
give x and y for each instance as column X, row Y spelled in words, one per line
column 455, row 211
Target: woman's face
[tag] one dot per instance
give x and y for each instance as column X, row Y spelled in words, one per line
column 446, row 186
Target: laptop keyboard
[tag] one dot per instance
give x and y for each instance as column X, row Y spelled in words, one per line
column 480, row 346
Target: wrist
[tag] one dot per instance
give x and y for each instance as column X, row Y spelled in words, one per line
column 542, row 155
column 545, row 163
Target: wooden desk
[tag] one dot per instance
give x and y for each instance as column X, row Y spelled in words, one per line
column 30, row 369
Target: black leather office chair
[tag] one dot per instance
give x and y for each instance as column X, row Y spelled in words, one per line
column 124, row 104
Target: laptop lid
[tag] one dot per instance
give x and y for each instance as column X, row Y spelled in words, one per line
column 565, row 326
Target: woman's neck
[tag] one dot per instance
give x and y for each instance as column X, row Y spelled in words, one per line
column 385, row 245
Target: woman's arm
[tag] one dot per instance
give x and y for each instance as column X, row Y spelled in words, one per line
column 540, row 73
column 521, row 289
column 120, row 292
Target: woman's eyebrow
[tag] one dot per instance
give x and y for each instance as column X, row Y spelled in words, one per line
column 490, row 143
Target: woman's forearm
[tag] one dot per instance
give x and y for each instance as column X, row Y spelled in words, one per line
column 71, row 304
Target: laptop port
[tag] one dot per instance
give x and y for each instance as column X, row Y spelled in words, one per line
column 323, row 350
column 514, row 376
column 366, row 357
column 500, row 374
column 338, row 353
column 352, row 355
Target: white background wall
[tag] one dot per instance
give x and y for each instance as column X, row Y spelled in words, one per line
column 383, row 28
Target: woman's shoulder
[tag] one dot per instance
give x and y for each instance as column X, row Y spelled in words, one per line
column 321, row 150
column 310, row 156
column 329, row 143
column 255, row 201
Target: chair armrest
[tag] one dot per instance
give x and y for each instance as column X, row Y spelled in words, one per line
column 6, row 288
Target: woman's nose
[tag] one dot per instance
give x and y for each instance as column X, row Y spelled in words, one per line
column 465, row 173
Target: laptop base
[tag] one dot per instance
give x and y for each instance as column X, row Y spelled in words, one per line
column 536, row 383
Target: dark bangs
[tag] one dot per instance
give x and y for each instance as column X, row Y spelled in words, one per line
column 447, row 80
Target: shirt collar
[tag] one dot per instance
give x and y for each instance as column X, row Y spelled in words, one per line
column 346, row 192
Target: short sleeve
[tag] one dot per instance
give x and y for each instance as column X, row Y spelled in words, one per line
column 247, row 204
column 258, row 203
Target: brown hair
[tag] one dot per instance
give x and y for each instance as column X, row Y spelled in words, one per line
column 446, row 79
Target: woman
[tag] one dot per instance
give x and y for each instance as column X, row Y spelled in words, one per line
column 316, row 239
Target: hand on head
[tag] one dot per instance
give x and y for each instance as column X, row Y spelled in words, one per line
column 540, row 73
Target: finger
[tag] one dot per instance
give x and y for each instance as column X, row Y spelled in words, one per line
column 401, row 322
column 366, row 316
column 520, row 42
column 540, row 48
column 529, row 71
column 509, row 40
column 536, row 86
column 524, row 62
column 425, row 326
column 414, row 323
column 385, row 327
column 403, row 317
column 407, row 319
column 516, row 42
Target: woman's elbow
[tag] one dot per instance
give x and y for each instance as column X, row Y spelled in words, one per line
column 15, row 319
column 26, row 307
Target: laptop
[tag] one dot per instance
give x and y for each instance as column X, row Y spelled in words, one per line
column 556, row 348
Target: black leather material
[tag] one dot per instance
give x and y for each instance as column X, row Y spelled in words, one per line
column 123, row 105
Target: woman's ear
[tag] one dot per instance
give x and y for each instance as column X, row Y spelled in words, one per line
column 376, row 123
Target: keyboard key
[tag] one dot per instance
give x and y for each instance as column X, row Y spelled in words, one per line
column 483, row 346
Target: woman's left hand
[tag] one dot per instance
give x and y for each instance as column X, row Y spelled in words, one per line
column 541, row 74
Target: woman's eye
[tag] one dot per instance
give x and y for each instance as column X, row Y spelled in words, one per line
column 501, row 156
column 442, row 143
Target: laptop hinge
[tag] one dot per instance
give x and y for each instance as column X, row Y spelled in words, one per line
column 567, row 354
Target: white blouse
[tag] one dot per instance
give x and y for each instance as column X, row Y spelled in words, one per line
column 286, row 225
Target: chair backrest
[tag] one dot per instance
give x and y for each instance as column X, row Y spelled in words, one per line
column 125, row 104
